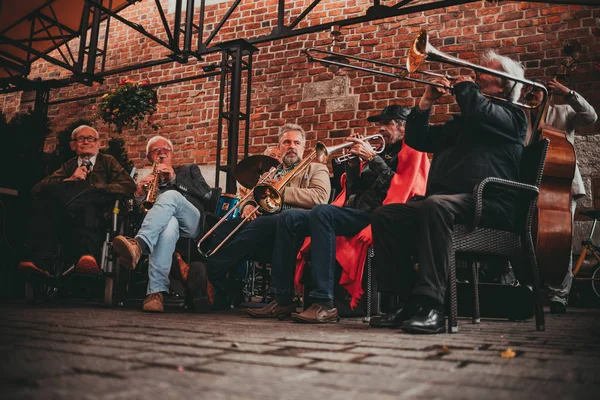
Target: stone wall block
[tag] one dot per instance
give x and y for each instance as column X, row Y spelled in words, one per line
column 349, row 103
column 337, row 87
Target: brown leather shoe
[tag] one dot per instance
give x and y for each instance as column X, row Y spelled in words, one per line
column 154, row 303
column 316, row 314
column 87, row 264
column 272, row 310
column 181, row 268
column 128, row 250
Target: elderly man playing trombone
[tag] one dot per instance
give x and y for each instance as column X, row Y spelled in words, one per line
column 485, row 140
column 370, row 179
column 308, row 188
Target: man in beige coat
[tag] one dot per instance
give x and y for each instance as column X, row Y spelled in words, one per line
column 574, row 114
column 255, row 239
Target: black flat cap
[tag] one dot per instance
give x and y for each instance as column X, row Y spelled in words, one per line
column 391, row 112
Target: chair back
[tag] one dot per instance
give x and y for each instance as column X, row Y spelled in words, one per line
column 532, row 168
column 533, row 161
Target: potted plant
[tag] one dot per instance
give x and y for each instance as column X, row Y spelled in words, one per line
column 128, row 106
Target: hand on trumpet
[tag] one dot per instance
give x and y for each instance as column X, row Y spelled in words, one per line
column 432, row 93
column 248, row 210
column 361, row 149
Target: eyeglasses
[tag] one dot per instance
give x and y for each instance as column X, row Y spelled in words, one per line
column 81, row 139
column 156, row 150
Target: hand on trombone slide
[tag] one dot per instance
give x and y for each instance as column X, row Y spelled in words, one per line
column 249, row 210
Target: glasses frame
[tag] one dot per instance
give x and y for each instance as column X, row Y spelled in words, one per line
column 82, row 139
column 156, row 150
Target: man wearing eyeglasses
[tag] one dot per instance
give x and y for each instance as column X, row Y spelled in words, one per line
column 183, row 193
column 69, row 204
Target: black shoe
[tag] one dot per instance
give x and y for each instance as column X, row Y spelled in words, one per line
column 556, row 307
column 426, row 320
column 393, row 320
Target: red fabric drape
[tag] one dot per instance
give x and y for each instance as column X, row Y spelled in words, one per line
column 351, row 252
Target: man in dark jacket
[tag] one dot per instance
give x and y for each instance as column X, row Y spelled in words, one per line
column 183, row 192
column 485, row 140
column 367, row 187
column 70, row 204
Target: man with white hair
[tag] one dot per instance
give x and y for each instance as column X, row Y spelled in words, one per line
column 70, row 203
column 183, row 194
column 485, row 140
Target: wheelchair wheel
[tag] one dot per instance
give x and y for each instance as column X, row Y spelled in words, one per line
column 109, row 287
column 115, row 286
column 596, row 280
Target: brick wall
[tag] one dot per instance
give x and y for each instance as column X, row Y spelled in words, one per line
column 286, row 88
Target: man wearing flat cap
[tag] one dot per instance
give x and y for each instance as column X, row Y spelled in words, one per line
column 340, row 231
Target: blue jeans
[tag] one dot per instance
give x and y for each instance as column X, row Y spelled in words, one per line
column 172, row 216
column 323, row 223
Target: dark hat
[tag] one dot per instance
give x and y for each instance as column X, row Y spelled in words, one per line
column 391, row 112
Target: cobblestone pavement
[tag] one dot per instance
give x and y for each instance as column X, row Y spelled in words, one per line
column 85, row 351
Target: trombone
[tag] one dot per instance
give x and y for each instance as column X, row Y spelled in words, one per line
column 422, row 50
column 269, row 196
column 339, row 60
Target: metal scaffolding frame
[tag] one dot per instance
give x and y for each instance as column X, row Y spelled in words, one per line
column 236, row 54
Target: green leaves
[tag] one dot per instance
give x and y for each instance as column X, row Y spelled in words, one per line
column 128, row 105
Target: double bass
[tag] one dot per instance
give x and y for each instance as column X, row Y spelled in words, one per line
column 553, row 230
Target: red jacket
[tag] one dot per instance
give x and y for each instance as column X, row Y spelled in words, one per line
column 351, row 252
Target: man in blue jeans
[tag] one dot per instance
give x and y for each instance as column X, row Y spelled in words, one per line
column 366, row 189
column 183, row 193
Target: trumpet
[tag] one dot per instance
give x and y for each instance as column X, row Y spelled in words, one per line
column 347, row 157
column 152, row 187
column 269, row 197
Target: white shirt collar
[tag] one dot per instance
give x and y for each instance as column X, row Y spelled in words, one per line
column 92, row 160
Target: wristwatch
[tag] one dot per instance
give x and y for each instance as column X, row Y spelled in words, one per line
column 570, row 94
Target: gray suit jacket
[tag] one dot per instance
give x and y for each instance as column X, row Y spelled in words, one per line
column 569, row 117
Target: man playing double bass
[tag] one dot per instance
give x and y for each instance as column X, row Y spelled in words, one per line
column 575, row 113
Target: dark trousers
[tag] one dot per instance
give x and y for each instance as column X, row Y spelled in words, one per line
column 71, row 214
column 254, row 241
column 322, row 223
column 423, row 229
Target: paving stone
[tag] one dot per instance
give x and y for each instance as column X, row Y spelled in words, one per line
column 265, row 359
column 330, row 356
column 100, row 353
column 382, row 351
column 311, row 345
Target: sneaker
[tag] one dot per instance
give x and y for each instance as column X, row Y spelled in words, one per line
column 128, row 250
column 30, row 267
column 556, row 307
column 154, row 303
column 87, row 264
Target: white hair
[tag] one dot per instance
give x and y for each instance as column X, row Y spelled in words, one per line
column 291, row 127
column 511, row 67
column 80, row 128
column 157, row 138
